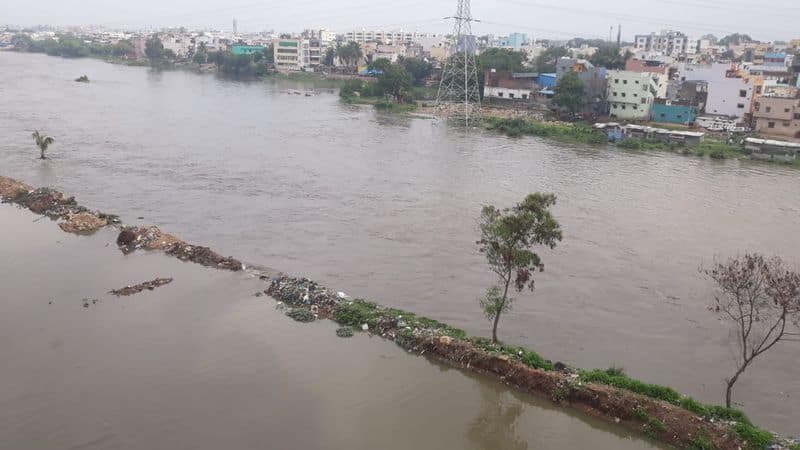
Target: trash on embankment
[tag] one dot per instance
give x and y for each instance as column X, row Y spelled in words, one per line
column 135, row 289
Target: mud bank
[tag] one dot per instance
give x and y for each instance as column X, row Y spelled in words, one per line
column 135, row 289
column 74, row 218
column 656, row 411
column 680, row 421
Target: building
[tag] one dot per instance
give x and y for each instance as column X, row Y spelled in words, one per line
column 731, row 92
column 659, row 71
column 384, row 37
column 631, row 95
column 514, row 41
column 594, row 82
column 390, row 52
column 507, row 86
column 298, row 54
column 246, row 49
column 667, row 111
column 671, row 43
column 778, row 116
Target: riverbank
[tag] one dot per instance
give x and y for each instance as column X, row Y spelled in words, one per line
column 659, row 412
column 583, row 133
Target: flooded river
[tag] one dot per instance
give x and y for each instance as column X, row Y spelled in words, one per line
column 386, row 207
column 203, row 364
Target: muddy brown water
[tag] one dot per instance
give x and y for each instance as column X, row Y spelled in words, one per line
column 203, row 364
column 385, row 207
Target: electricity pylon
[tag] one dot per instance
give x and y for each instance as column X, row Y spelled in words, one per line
column 459, row 96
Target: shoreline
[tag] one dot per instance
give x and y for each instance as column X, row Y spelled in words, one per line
column 658, row 412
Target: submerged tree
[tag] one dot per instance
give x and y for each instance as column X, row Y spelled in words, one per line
column 507, row 239
column 762, row 298
column 42, row 142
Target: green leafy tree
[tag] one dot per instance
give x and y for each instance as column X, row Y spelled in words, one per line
column 350, row 54
column 502, row 59
column 154, row 49
column 761, row 297
column 546, row 61
column 269, row 53
column 22, row 42
column 736, row 39
column 122, row 48
column 42, row 142
column 507, row 240
column 419, row 69
column 330, row 56
column 200, row 57
column 610, row 57
column 569, row 93
column 395, row 81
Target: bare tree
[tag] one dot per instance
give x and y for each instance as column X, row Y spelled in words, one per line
column 761, row 297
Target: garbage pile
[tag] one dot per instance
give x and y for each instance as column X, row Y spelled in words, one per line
column 302, row 291
column 82, row 223
column 9, row 188
column 49, row 202
column 135, row 289
column 151, row 238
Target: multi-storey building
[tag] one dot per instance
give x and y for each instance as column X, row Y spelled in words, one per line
column 778, row 116
column 671, row 43
column 297, row 54
column 630, row 95
column 385, row 37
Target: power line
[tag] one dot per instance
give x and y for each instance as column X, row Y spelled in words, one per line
column 459, row 96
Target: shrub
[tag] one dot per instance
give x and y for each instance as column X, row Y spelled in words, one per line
column 301, row 315
column 623, row 382
column 756, row 438
column 356, row 313
column 690, row 404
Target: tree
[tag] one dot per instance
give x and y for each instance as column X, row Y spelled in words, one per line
column 419, row 69
column 42, row 142
column 122, row 48
column 200, row 57
column 609, row 56
column 762, row 298
column 350, row 53
column 269, row 53
column 546, row 61
column 735, row 39
column 502, row 59
column 154, row 48
column 330, row 56
column 507, row 240
column 394, row 81
column 569, row 94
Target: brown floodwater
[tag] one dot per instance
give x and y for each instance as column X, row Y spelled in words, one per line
column 203, row 364
column 386, row 207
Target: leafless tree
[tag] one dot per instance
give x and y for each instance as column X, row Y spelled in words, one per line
column 762, row 297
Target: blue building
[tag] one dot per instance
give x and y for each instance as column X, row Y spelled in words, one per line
column 673, row 113
column 546, row 80
column 514, row 41
column 246, row 49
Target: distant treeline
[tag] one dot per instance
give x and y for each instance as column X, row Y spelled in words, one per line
column 70, row 46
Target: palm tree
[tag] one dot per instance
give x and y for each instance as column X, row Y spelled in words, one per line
column 42, row 142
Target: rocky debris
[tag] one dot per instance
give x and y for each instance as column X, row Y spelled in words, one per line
column 9, row 188
column 89, row 301
column 135, row 289
column 49, row 202
column 344, row 332
column 301, row 315
column 151, row 238
column 82, row 223
column 302, row 291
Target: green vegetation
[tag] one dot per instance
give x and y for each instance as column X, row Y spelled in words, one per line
column 640, row 413
column 393, row 91
column 546, row 61
column 42, row 142
column 610, row 56
column 244, row 66
column 507, row 240
column 569, row 94
column 556, row 130
column 71, row 46
column 344, row 332
column 349, row 54
column 301, row 315
column 654, row 427
column 501, row 59
column 702, row 442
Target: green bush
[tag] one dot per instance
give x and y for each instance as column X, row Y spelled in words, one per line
column 690, row 404
column 623, row 382
column 356, row 313
column 756, row 438
column 701, row 442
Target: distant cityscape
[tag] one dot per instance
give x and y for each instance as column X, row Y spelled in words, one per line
column 720, row 83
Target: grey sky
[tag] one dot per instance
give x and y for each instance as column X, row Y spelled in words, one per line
column 537, row 18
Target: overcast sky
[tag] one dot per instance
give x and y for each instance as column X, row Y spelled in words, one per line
column 777, row 19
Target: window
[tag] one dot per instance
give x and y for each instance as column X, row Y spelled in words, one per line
column 742, row 93
column 510, row 95
column 616, row 80
column 644, row 101
column 524, row 96
column 740, row 105
column 499, row 94
column 663, row 115
column 770, row 124
column 786, row 110
column 786, row 124
column 635, row 94
column 637, row 81
column 623, row 94
column 623, row 107
column 615, row 94
column 624, row 81
column 768, row 109
column 796, row 116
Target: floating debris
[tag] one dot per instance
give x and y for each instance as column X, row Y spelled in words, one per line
column 135, row 289
column 344, row 332
column 301, row 315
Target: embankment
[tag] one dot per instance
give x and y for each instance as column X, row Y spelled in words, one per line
column 657, row 411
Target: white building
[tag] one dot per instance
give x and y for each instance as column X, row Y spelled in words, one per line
column 298, row 54
column 385, row 37
column 729, row 93
column 630, row 95
column 670, row 43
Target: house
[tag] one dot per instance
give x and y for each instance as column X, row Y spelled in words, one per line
column 668, row 111
column 670, row 43
column 297, row 54
column 565, row 65
column 778, row 116
column 731, row 92
column 546, row 80
column 507, row 86
column 658, row 69
column 630, row 95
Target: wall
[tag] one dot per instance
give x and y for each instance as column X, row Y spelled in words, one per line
column 682, row 114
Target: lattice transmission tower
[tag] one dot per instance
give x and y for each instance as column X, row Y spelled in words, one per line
column 459, row 96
